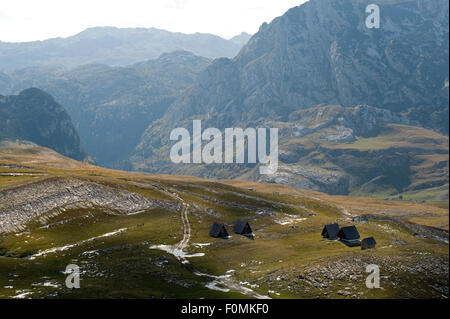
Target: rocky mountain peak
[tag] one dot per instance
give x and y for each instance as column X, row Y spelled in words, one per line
column 322, row 52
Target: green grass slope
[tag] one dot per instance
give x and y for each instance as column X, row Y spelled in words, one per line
column 119, row 257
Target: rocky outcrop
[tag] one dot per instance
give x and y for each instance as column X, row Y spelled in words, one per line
column 342, row 277
column 303, row 177
column 52, row 197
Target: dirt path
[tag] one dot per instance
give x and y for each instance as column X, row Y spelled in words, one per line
column 184, row 218
column 186, row 227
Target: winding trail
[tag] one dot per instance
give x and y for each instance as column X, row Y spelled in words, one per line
column 186, row 227
column 178, row 251
column 184, row 218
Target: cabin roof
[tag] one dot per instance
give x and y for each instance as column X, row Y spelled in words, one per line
column 218, row 230
column 241, row 226
column 348, row 233
column 369, row 241
column 330, row 231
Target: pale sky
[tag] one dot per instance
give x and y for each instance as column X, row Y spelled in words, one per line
column 29, row 20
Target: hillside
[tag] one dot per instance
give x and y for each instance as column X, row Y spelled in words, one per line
column 34, row 116
column 125, row 231
column 113, row 46
column 361, row 151
column 338, row 150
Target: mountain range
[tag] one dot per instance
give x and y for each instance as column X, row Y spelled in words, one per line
column 360, row 111
column 115, row 47
column 329, row 83
column 362, row 119
column 112, row 106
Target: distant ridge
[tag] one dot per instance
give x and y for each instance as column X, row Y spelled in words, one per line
column 114, row 46
column 241, row 39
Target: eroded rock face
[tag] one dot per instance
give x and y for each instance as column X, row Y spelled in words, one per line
column 52, row 197
column 301, row 177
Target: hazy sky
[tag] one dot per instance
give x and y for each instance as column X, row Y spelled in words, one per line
column 27, row 20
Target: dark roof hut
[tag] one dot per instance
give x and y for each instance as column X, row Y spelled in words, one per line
column 218, row 230
column 349, row 235
column 330, row 231
column 368, row 243
column 242, row 227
